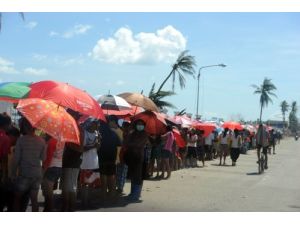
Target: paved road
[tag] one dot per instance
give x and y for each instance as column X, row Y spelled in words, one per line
column 225, row 188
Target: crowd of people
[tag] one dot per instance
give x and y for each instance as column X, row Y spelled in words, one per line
column 108, row 155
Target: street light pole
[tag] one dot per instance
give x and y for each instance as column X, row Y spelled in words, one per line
column 198, row 78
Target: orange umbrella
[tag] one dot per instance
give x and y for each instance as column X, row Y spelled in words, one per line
column 232, row 125
column 178, row 138
column 139, row 100
column 206, row 127
column 68, row 96
column 50, row 118
column 155, row 123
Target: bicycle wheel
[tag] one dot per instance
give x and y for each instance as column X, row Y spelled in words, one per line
column 259, row 166
column 262, row 163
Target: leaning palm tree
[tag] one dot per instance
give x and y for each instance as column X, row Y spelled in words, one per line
column 265, row 91
column 157, row 97
column 21, row 14
column 284, row 109
column 184, row 65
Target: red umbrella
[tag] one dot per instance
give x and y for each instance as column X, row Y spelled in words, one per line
column 178, row 138
column 155, row 124
column 68, row 96
column 232, row 125
column 206, row 127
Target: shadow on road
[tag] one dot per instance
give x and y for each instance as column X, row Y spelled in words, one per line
column 216, row 164
column 253, row 173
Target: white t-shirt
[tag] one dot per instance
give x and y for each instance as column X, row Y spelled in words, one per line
column 209, row 139
column 192, row 140
column 90, row 157
column 224, row 140
column 235, row 141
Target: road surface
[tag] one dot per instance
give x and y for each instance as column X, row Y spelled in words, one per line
column 225, row 188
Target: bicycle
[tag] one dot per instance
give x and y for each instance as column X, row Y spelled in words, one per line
column 262, row 162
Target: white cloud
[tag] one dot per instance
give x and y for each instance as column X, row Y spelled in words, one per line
column 76, row 30
column 7, row 66
column 145, row 48
column 35, row 72
column 31, row 25
column 53, row 33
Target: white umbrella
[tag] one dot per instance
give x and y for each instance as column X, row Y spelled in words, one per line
column 113, row 102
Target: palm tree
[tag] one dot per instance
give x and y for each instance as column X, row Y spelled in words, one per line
column 184, row 65
column 265, row 91
column 21, row 14
column 157, row 97
column 293, row 120
column 284, row 109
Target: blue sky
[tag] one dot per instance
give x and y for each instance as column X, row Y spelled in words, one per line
column 118, row 52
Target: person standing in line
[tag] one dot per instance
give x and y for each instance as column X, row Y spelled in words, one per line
column 53, row 171
column 30, row 152
column 192, row 139
column 200, row 147
column 224, row 145
column 71, row 161
column 134, row 158
column 89, row 173
column 167, row 152
column 235, row 143
column 208, row 146
column 107, row 154
column 122, row 168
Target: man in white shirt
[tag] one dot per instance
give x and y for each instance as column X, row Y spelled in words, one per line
column 208, row 146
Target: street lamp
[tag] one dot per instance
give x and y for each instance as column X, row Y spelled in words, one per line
column 198, row 77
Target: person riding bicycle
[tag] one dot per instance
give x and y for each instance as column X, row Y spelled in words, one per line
column 262, row 141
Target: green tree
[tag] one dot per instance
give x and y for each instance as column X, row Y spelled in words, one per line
column 284, row 106
column 265, row 90
column 293, row 120
column 21, row 14
column 157, row 98
column 184, row 65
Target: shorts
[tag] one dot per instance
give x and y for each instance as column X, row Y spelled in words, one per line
column 224, row 149
column 53, row 174
column 265, row 149
column 165, row 154
column 69, row 178
column 25, row 184
column 200, row 153
column 107, row 168
column 156, row 153
column 192, row 152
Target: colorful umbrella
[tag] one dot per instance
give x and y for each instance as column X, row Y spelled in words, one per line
column 155, row 124
column 183, row 120
column 232, row 125
column 208, row 128
column 67, row 96
column 50, row 118
column 139, row 100
column 178, row 138
column 13, row 91
column 113, row 102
